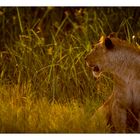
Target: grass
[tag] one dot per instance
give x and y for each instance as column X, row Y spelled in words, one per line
column 45, row 85
column 20, row 113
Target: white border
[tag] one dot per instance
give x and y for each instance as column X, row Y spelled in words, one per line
column 69, row 2
column 70, row 136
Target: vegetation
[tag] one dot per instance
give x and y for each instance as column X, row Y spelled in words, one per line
column 45, row 85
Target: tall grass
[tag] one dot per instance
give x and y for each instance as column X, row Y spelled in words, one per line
column 44, row 83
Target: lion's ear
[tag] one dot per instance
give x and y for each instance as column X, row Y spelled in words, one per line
column 108, row 43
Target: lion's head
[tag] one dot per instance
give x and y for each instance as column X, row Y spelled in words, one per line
column 97, row 58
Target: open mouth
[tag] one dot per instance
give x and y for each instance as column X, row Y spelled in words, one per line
column 96, row 71
column 95, row 68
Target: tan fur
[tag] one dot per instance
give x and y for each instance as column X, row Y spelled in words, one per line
column 123, row 60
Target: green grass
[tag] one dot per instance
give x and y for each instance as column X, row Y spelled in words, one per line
column 45, row 85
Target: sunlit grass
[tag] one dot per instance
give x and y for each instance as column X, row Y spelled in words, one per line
column 20, row 113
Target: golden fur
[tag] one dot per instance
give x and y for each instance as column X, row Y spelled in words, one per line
column 122, row 59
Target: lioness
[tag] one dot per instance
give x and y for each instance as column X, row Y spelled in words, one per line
column 122, row 59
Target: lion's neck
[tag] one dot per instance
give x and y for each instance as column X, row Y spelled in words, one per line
column 123, row 64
